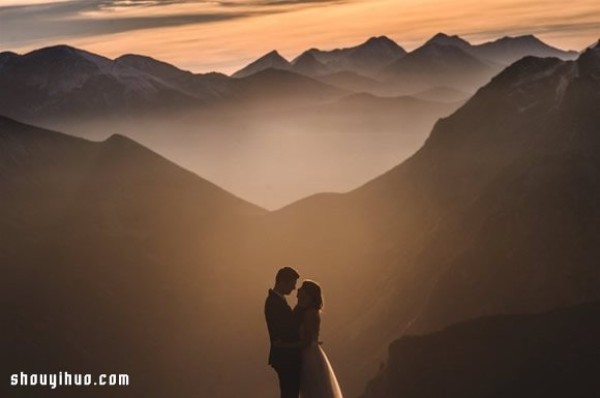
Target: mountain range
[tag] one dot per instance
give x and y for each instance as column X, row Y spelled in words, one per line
column 371, row 57
column 364, row 59
column 443, row 60
column 119, row 258
column 61, row 82
column 176, row 112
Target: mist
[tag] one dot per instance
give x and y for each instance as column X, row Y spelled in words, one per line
column 275, row 157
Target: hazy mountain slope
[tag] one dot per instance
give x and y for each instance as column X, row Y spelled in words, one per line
column 360, row 104
column 442, row 94
column 507, row 50
column 209, row 87
column 545, row 198
column 454, row 62
column 307, row 64
column 280, row 88
column 38, row 151
column 352, row 81
column 317, row 146
column 108, row 263
column 374, row 54
column 365, row 59
column 436, row 64
column 554, row 354
column 153, row 67
column 496, row 213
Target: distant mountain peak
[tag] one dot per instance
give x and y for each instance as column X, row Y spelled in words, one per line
column 526, row 68
column 524, row 39
column 273, row 54
column 377, row 40
column 374, row 54
column 308, row 64
column 58, row 49
column 271, row 59
column 440, row 35
column 307, row 55
column 529, row 37
column 151, row 66
column 447, row 40
column 435, row 49
column 144, row 62
column 138, row 57
column 508, row 49
column 381, row 42
column 63, row 51
column 65, row 54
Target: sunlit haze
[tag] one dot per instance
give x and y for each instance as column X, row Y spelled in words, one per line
column 273, row 157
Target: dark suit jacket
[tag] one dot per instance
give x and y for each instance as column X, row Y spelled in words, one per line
column 283, row 325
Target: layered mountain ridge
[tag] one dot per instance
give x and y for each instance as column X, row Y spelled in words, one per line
column 62, row 82
column 497, row 213
column 494, row 214
column 452, row 59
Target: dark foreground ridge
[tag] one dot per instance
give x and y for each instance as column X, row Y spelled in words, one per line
column 554, row 354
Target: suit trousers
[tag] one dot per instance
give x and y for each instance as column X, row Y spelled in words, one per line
column 289, row 380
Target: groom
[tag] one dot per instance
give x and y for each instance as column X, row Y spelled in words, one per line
column 284, row 333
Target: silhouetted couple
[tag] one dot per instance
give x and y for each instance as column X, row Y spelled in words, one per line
column 296, row 354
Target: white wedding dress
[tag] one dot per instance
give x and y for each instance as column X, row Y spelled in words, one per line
column 318, row 378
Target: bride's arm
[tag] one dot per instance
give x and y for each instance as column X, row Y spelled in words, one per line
column 312, row 324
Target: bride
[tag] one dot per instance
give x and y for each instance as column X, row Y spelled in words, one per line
column 318, row 378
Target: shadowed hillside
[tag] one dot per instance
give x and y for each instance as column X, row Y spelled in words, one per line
column 554, row 354
column 497, row 213
column 106, row 249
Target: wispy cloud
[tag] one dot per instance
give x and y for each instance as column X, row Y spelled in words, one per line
column 24, row 24
column 270, row 3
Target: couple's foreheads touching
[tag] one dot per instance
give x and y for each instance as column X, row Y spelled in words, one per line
column 309, row 293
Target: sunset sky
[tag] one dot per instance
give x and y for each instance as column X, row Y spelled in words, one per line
column 204, row 35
